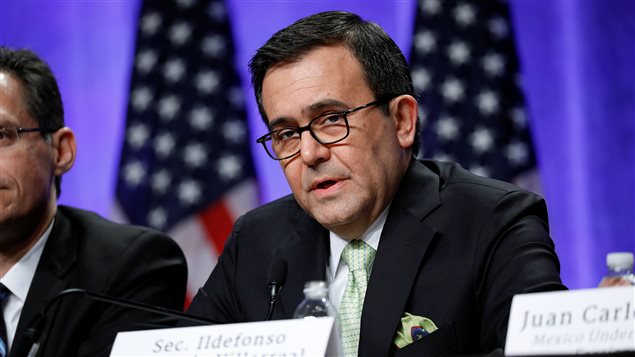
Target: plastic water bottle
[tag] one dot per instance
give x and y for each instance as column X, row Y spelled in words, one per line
column 620, row 270
column 316, row 302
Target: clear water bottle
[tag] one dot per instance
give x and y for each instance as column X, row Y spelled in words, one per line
column 316, row 302
column 620, row 270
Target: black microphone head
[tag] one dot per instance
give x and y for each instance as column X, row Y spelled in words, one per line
column 276, row 277
column 277, row 272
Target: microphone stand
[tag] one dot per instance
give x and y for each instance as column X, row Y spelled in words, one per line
column 30, row 342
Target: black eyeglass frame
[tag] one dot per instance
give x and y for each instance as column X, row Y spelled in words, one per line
column 269, row 136
column 19, row 131
column 32, row 130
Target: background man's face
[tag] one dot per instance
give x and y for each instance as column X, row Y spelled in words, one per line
column 26, row 168
column 344, row 186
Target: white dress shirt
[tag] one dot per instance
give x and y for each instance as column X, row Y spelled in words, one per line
column 18, row 281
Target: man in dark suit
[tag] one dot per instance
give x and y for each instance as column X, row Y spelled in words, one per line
column 45, row 249
column 444, row 250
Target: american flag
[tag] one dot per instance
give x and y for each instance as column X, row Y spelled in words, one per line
column 465, row 70
column 186, row 166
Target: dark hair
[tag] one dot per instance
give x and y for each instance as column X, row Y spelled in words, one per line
column 383, row 64
column 39, row 89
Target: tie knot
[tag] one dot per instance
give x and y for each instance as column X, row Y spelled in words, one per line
column 358, row 255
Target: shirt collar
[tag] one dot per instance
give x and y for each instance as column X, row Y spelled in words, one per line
column 370, row 237
column 18, row 278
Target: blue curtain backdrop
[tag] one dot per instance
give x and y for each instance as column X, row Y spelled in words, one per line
column 578, row 73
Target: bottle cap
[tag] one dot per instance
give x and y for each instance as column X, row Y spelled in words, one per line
column 315, row 287
column 619, row 260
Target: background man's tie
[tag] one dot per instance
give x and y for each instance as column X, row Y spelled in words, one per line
column 359, row 256
column 4, row 293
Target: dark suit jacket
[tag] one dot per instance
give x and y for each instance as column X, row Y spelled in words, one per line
column 88, row 252
column 455, row 248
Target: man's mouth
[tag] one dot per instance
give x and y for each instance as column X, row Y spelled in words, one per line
column 325, row 184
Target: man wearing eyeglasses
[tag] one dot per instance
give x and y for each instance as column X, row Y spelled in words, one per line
column 46, row 248
column 443, row 250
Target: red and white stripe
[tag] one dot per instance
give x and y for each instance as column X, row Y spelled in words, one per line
column 202, row 236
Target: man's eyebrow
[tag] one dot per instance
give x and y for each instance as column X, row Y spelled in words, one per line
column 319, row 106
column 280, row 121
column 6, row 121
column 310, row 111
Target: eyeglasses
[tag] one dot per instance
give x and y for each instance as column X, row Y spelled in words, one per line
column 9, row 136
column 326, row 129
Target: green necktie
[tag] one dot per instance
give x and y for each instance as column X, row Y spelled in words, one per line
column 359, row 256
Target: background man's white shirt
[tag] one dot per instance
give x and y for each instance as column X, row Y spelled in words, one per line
column 18, row 280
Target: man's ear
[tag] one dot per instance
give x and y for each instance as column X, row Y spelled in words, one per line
column 65, row 149
column 405, row 109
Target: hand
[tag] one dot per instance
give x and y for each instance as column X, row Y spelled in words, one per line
column 613, row 281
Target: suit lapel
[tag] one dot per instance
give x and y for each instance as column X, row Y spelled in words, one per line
column 59, row 255
column 404, row 241
column 306, row 253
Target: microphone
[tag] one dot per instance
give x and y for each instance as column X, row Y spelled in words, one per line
column 29, row 344
column 276, row 276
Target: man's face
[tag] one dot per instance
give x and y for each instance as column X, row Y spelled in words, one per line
column 26, row 167
column 345, row 185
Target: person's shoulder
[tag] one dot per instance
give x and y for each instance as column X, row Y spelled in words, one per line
column 278, row 215
column 106, row 254
column 100, row 233
column 92, row 221
column 282, row 206
column 455, row 180
column 454, row 175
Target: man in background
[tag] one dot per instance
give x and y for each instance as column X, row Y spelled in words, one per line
column 46, row 248
column 421, row 256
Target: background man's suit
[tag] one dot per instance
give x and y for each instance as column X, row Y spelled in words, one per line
column 455, row 248
column 86, row 251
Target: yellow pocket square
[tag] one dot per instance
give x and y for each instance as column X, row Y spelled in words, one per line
column 412, row 329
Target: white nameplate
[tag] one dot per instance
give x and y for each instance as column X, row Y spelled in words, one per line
column 572, row 322
column 299, row 337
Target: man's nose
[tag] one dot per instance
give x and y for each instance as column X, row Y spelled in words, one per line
column 311, row 151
